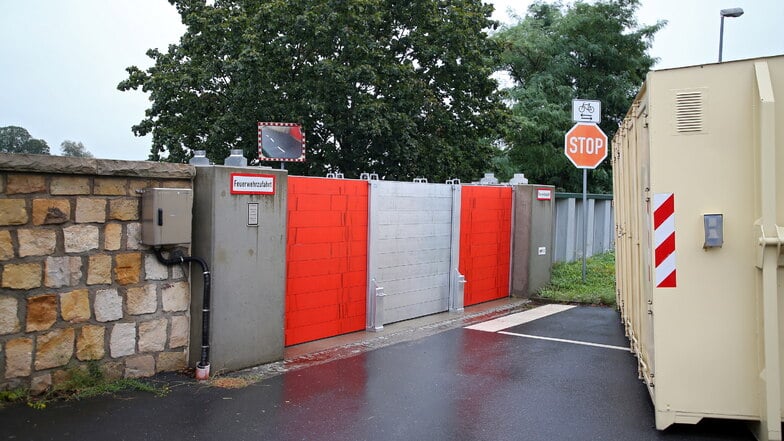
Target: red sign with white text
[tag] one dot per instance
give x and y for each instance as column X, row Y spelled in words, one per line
column 251, row 183
column 585, row 145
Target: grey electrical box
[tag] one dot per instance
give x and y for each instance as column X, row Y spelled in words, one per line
column 166, row 216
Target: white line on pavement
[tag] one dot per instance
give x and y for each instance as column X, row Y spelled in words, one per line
column 561, row 340
column 519, row 318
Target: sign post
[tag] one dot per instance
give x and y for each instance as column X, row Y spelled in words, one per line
column 585, row 144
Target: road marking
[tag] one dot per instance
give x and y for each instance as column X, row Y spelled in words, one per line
column 561, row 340
column 519, row 318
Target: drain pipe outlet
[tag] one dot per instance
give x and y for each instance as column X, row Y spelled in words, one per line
column 203, row 367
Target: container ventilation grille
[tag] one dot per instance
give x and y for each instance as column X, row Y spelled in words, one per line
column 688, row 112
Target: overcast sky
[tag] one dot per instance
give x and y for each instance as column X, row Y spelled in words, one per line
column 62, row 59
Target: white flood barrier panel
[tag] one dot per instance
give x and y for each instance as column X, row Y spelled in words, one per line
column 411, row 251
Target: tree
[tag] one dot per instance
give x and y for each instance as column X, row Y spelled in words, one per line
column 18, row 140
column 555, row 54
column 74, row 149
column 399, row 88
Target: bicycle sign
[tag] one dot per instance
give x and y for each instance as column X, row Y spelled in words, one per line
column 587, row 111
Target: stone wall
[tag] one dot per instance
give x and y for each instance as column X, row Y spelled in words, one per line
column 76, row 284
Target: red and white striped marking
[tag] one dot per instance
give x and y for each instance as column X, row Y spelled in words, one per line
column 664, row 239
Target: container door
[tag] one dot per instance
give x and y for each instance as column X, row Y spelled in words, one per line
column 646, row 230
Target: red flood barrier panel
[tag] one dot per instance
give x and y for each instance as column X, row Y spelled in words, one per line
column 326, row 263
column 485, row 239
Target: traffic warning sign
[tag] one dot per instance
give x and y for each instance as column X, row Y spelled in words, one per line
column 585, row 145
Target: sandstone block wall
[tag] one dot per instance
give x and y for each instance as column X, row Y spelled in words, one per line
column 76, row 284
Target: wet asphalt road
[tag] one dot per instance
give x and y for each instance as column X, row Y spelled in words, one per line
column 461, row 384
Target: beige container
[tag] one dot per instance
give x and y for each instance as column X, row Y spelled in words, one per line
column 708, row 338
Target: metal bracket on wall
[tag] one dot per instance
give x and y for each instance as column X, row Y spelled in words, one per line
column 462, row 281
column 378, row 308
column 457, row 301
column 766, row 241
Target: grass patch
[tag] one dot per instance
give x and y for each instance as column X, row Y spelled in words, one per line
column 13, row 395
column 92, row 382
column 82, row 382
column 566, row 283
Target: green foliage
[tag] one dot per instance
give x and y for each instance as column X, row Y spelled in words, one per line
column 81, row 378
column 18, row 140
column 81, row 382
column 402, row 89
column 566, row 283
column 116, row 386
column 502, row 167
column 13, row 395
column 74, row 149
column 557, row 53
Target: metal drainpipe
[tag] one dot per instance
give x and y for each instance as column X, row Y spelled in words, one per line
column 203, row 368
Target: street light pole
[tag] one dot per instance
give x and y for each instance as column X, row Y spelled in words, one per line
column 732, row 12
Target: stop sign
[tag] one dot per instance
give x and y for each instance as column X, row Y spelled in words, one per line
column 585, row 145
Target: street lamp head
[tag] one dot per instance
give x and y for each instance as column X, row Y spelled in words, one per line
column 732, row 12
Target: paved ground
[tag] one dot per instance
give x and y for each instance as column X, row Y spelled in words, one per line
column 522, row 383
